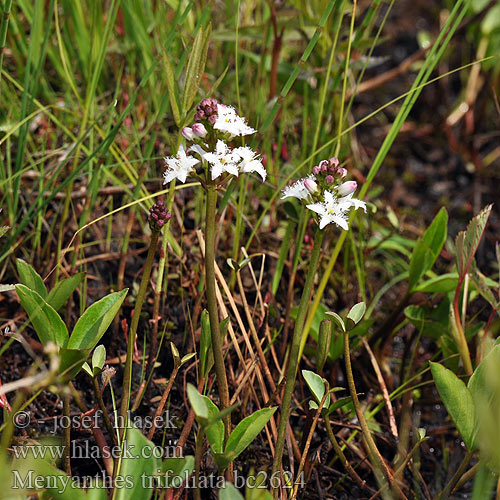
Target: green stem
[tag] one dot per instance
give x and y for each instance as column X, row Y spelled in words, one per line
column 340, row 454
column 293, row 361
column 127, row 376
column 198, row 454
column 379, row 465
column 213, row 313
column 104, row 411
column 456, row 477
column 67, row 435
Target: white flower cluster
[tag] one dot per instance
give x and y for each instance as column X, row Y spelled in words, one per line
column 324, row 196
column 221, row 120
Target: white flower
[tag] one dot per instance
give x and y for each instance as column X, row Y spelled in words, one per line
column 298, row 189
column 250, row 161
column 335, row 209
column 179, row 166
column 223, row 160
column 229, row 121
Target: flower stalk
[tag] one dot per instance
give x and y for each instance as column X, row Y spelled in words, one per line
column 293, row 362
column 158, row 217
column 213, row 314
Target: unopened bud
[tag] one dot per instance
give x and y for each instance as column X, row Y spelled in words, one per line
column 334, row 161
column 342, row 172
column 347, row 188
column 199, row 130
column 330, row 179
column 158, row 216
column 316, row 170
column 310, row 185
column 212, row 119
column 187, row 133
column 323, row 165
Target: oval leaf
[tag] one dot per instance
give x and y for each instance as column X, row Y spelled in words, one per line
column 356, row 313
column 135, row 466
column 317, row 386
column 94, row 322
column 197, row 402
column 245, row 432
column 30, row 278
column 98, row 359
column 62, row 290
column 215, row 431
column 458, row 401
column 428, row 248
column 47, row 323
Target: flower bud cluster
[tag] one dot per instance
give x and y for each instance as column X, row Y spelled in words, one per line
column 207, row 111
column 327, row 172
column 326, row 194
column 158, row 216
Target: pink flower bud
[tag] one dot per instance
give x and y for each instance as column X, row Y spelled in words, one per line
column 334, row 162
column 323, row 165
column 187, row 133
column 310, row 185
column 212, row 119
column 199, row 130
column 342, row 172
column 316, row 170
column 329, row 179
column 347, row 188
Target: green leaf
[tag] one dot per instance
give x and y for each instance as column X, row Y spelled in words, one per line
column 187, row 357
column 491, row 21
column 229, row 492
column 317, row 386
column 484, row 483
column 337, row 319
column 197, row 401
column 72, row 361
column 458, row 401
column 175, row 355
column 467, row 241
column 195, row 68
column 173, row 91
column 175, row 470
column 3, row 230
column 215, row 431
column 135, row 464
column 30, row 278
column 47, row 323
column 86, row 368
column 440, row 284
column 243, row 434
column 94, row 322
column 98, row 359
column 428, row 248
column 48, row 477
column 355, row 315
column 62, row 290
column 340, row 403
